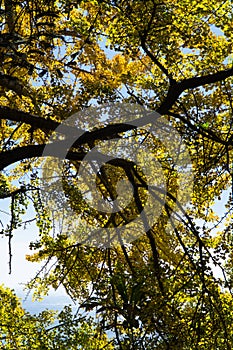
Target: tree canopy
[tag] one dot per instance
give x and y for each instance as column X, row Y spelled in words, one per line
column 150, row 78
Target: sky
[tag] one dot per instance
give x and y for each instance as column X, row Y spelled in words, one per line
column 23, row 271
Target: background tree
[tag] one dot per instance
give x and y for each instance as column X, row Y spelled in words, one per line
column 48, row 330
column 175, row 58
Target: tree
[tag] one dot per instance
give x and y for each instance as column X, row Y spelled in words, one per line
column 159, row 290
column 21, row 330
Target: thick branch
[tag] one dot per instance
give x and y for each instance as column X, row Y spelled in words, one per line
column 177, row 89
column 12, row 194
column 192, row 83
column 26, row 152
column 105, row 133
column 110, row 131
column 173, row 94
column 9, row 11
column 57, row 149
column 35, row 121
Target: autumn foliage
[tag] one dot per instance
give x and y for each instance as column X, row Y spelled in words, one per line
column 171, row 288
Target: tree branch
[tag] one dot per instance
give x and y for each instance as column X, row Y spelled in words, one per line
column 58, row 149
column 192, row 83
column 156, row 61
column 35, row 121
column 178, row 88
column 104, row 133
column 26, row 152
column 110, row 131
